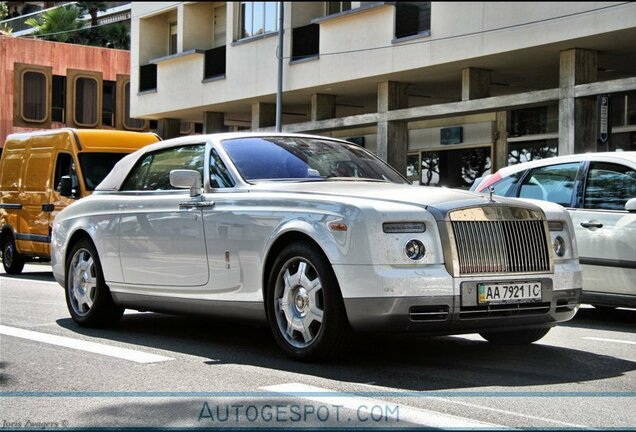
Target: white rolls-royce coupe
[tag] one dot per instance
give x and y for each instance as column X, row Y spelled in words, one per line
column 317, row 237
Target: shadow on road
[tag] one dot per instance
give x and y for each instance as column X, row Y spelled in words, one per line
column 399, row 361
column 39, row 276
column 621, row 320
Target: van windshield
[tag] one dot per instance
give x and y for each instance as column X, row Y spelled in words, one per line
column 96, row 166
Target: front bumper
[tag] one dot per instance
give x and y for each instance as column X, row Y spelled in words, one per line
column 446, row 315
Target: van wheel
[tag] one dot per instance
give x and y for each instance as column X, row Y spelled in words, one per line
column 87, row 296
column 12, row 261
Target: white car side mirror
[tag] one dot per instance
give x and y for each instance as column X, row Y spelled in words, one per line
column 184, row 179
column 630, row 205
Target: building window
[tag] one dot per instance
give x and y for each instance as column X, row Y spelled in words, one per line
column 86, row 102
column 172, row 44
column 457, row 168
column 34, row 97
column 532, row 121
column 526, row 151
column 412, row 18
column 148, row 77
column 305, row 41
column 58, row 106
column 258, row 18
column 337, row 7
column 108, row 103
column 129, row 122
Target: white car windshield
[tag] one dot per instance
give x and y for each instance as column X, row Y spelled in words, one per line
column 307, row 159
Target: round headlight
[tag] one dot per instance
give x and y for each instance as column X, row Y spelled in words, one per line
column 414, row 250
column 558, row 244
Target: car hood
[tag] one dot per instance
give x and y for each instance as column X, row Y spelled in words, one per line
column 443, row 199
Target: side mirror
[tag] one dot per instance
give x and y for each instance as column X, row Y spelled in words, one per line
column 184, row 179
column 67, row 189
column 630, row 205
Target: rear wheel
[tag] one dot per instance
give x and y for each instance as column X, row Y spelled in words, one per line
column 87, row 296
column 12, row 261
column 515, row 337
column 304, row 305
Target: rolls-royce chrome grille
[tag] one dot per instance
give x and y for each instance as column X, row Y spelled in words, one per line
column 505, row 240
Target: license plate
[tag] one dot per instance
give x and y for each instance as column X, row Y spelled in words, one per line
column 509, row 292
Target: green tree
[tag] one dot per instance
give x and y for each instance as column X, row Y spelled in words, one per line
column 116, row 35
column 4, row 10
column 92, row 8
column 59, row 24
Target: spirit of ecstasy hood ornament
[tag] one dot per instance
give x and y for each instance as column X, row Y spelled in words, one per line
column 491, row 190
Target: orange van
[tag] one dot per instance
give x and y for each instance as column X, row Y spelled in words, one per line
column 43, row 172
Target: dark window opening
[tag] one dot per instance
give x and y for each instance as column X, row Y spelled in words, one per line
column 305, row 41
column 86, row 101
column 63, row 167
column 337, row 7
column 58, row 106
column 34, row 96
column 526, row 151
column 455, row 168
column 109, row 103
column 96, row 166
column 147, row 77
column 412, row 18
column 214, row 62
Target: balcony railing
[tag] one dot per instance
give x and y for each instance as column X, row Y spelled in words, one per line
column 214, row 63
column 147, row 77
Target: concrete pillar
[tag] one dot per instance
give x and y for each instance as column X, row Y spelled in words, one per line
column 500, row 140
column 475, row 83
column 263, row 115
column 169, row 128
column 323, row 107
column 213, row 122
column 393, row 136
column 577, row 117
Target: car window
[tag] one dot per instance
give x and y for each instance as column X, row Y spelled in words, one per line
column 220, row 177
column 298, row 158
column 96, row 166
column 553, row 183
column 506, row 185
column 152, row 172
column 609, row 186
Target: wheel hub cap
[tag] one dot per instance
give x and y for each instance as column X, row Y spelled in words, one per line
column 301, row 301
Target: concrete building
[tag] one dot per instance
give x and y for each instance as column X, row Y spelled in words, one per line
column 444, row 91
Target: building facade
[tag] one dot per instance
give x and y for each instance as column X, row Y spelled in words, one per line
column 46, row 85
column 444, row 91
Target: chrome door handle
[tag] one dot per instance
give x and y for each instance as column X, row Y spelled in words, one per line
column 196, row 205
column 590, row 224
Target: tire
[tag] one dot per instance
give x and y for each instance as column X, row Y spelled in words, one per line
column 12, row 261
column 515, row 337
column 304, row 305
column 87, row 296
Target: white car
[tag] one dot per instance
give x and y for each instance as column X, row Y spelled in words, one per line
column 599, row 191
column 317, row 237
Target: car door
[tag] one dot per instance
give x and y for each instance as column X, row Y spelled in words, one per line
column 162, row 242
column 605, row 231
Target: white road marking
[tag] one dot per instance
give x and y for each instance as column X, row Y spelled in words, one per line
column 487, row 408
column 611, row 340
column 396, row 412
column 108, row 350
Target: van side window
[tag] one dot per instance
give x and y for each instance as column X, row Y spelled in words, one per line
column 63, row 167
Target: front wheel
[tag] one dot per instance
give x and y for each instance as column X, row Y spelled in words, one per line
column 87, row 296
column 515, row 337
column 304, row 305
column 12, row 261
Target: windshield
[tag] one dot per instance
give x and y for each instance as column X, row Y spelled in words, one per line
column 96, row 166
column 308, row 159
